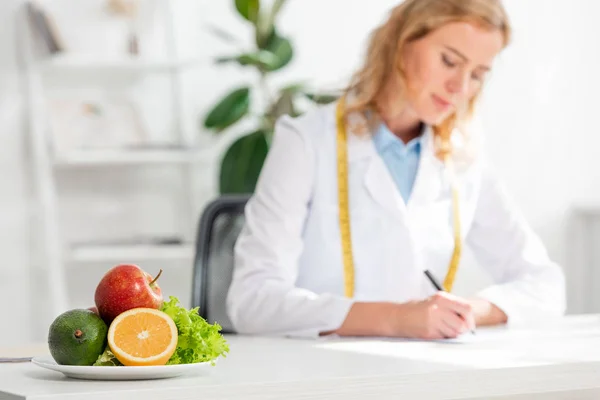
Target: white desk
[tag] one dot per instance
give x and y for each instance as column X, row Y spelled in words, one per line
column 557, row 361
column 583, row 259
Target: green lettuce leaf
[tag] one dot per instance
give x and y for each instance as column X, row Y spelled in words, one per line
column 198, row 340
column 107, row 359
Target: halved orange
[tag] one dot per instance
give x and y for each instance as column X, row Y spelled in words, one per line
column 142, row 337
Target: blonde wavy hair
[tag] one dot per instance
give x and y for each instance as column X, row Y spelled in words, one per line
column 409, row 21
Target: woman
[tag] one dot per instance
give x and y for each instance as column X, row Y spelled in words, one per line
column 357, row 200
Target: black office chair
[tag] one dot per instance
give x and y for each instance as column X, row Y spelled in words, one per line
column 218, row 228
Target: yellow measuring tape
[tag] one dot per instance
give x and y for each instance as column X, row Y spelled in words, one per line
column 455, row 259
column 344, row 211
column 342, row 170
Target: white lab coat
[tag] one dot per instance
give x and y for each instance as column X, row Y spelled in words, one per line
column 288, row 278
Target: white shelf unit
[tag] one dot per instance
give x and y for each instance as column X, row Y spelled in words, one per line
column 129, row 157
column 69, row 62
column 116, row 253
column 58, row 254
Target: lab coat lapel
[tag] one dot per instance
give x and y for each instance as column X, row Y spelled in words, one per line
column 377, row 179
column 428, row 185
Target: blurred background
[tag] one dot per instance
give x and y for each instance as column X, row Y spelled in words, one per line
column 114, row 134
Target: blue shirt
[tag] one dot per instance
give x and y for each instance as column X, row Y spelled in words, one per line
column 402, row 160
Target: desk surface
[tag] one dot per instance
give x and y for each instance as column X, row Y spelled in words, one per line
column 554, row 361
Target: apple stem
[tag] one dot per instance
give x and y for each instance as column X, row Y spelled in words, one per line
column 78, row 333
column 157, row 276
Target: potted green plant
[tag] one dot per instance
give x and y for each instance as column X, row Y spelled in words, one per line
column 243, row 160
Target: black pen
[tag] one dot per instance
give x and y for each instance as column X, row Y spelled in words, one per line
column 439, row 287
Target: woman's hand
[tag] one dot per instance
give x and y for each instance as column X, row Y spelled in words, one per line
column 486, row 313
column 442, row 315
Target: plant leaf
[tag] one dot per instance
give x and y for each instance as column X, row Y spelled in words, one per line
column 229, row 110
column 226, row 59
column 283, row 106
column 242, row 163
column 277, row 5
column 264, row 30
column 262, row 59
column 265, row 24
column 269, row 21
column 322, row 98
column 293, row 88
column 222, row 34
column 248, row 9
column 282, row 49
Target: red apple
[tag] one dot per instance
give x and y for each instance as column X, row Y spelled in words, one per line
column 94, row 310
column 125, row 287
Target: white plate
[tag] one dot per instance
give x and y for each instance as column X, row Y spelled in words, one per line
column 123, row 373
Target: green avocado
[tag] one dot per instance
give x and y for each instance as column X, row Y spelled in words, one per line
column 77, row 337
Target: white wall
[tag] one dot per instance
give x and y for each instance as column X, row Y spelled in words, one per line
column 14, row 193
column 540, row 115
column 539, row 112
